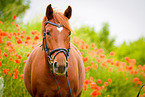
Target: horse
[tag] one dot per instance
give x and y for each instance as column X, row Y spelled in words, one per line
column 55, row 67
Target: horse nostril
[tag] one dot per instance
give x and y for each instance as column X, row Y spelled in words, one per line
column 55, row 64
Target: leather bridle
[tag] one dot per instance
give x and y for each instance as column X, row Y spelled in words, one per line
column 57, row 50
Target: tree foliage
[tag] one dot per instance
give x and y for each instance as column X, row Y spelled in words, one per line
column 135, row 50
column 101, row 38
column 8, row 8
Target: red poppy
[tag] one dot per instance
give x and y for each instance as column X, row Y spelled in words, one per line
column 24, row 61
column 0, row 63
column 0, row 51
column 10, row 59
column 112, row 53
column 33, row 32
column 94, row 93
column 18, row 29
column 86, row 46
column 92, row 45
column 85, row 87
column 14, row 17
column 28, row 37
column 92, row 63
column 5, row 54
column 17, row 61
column 106, row 84
column 15, row 74
column 6, row 71
column 93, row 85
column 139, row 82
column 99, row 81
column 8, row 43
column 110, row 69
column 87, row 82
column 19, row 41
column 12, row 23
column 22, row 76
column 117, row 63
column 36, row 37
column 17, row 25
column 22, row 36
column 102, row 56
column 1, row 39
column 1, row 22
column 19, row 56
column 135, row 79
column 109, row 80
column 85, row 59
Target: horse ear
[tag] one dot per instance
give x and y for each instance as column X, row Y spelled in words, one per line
column 68, row 12
column 49, row 12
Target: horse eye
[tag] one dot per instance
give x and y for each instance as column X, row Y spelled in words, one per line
column 48, row 33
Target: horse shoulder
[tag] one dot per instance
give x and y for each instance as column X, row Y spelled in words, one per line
column 81, row 71
column 29, row 67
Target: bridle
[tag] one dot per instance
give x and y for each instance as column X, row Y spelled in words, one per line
column 57, row 50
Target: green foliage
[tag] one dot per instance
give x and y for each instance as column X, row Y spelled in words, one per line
column 135, row 50
column 8, row 8
column 101, row 38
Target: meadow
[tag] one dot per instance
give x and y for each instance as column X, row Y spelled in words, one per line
column 106, row 76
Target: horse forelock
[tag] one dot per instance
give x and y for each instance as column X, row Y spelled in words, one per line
column 58, row 17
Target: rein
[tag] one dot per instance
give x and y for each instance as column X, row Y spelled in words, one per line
column 57, row 50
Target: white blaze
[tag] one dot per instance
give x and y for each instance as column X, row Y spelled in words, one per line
column 59, row 28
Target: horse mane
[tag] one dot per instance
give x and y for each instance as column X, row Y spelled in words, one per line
column 58, row 17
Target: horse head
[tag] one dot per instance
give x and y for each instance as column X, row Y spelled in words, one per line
column 56, row 32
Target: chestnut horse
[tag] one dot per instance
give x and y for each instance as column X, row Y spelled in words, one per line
column 55, row 67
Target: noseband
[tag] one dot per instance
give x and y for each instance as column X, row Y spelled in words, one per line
column 57, row 50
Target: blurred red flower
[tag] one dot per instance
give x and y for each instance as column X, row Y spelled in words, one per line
column 112, row 53
column 87, row 82
column 109, row 80
column 99, row 81
column 139, row 82
column 22, row 76
column 14, row 17
column 102, row 56
column 85, row 59
column 135, row 79
column 36, row 37
column 1, row 22
column 17, row 61
column 92, row 45
column 17, row 25
column 0, row 51
column 19, row 41
column 28, row 37
column 5, row 54
column 19, row 56
column 6, row 71
column 10, row 59
column 16, row 72
column 106, row 84
column 95, row 93
column 22, row 36
column 8, row 43
column 93, row 85
column 0, row 63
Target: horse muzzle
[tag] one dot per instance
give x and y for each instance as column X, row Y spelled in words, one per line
column 60, row 69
